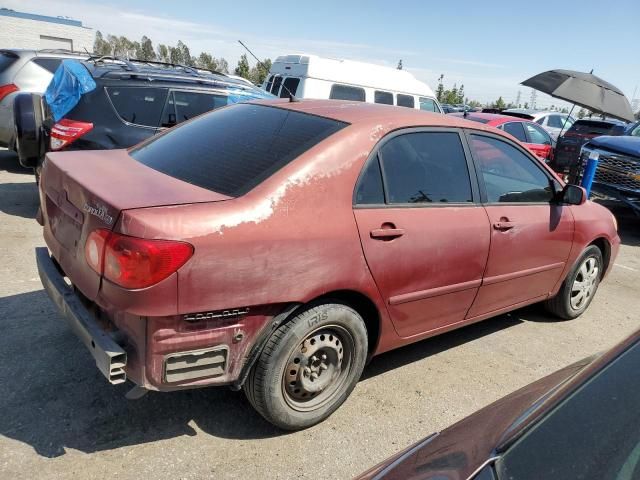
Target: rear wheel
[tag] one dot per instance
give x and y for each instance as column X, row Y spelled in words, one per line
column 580, row 286
column 309, row 366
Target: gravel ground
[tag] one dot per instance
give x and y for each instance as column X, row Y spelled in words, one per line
column 61, row 419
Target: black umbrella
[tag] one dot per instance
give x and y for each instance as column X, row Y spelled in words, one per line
column 584, row 89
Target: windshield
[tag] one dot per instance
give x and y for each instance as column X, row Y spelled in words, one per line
column 592, row 435
column 233, row 149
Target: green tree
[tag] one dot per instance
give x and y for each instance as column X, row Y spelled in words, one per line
column 499, row 103
column 243, row 70
column 461, row 94
column 146, row 51
column 163, row 53
column 582, row 113
column 440, row 89
column 185, row 54
column 260, row 71
column 100, row 45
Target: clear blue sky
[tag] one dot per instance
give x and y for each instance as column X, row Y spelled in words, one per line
column 490, row 46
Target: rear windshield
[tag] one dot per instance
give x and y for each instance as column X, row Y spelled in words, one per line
column 6, row 59
column 594, row 127
column 233, row 149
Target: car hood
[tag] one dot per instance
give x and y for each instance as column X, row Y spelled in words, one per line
column 457, row 452
column 626, row 145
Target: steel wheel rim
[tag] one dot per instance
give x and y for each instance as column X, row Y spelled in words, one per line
column 318, row 368
column 584, row 284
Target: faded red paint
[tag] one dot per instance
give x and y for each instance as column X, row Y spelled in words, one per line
column 296, row 237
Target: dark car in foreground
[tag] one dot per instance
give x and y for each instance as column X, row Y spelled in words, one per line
column 618, row 172
column 277, row 245
column 569, row 145
column 27, row 71
column 132, row 101
column 580, row 423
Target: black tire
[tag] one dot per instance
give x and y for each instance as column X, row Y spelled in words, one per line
column 282, row 387
column 27, row 120
column 565, row 304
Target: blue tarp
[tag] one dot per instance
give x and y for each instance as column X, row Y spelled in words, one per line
column 69, row 83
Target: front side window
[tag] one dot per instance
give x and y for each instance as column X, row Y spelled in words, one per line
column 536, row 134
column 426, row 167
column 636, row 131
column 138, row 105
column 231, row 150
column 509, row 175
column 515, row 129
column 289, row 87
column 383, row 97
column 345, row 92
column 405, row 100
column 428, row 105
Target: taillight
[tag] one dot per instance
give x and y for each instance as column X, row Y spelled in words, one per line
column 7, row 89
column 65, row 132
column 133, row 262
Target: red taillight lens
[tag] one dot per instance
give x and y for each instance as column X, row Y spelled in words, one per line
column 65, row 132
column 7, row 89
column 133, row 262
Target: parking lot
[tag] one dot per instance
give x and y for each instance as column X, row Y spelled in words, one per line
column 61, row 419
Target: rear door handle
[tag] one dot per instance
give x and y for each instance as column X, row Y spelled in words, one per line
column 387, row 233
column 503, row 226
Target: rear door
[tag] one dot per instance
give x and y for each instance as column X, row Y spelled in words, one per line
column 531, row 236
column 425, row 237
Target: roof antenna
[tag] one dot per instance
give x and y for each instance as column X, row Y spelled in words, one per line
column 292, row 97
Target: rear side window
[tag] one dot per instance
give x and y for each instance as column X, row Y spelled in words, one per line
column 383, row 97
column 426, row 167
column 138, row 105
column 428, row 105
column 405, row 101
column 277, row 83
column 537, row 134
column 191, row 104
column 345, row 92
column 515, row 129
column 49, row 64
column 370, row 190
column 269, row 83
column 6, row 60
column 289, row 87
column 233, row 149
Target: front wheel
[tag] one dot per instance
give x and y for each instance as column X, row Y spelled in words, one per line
column 309, row 366
column 580, row 286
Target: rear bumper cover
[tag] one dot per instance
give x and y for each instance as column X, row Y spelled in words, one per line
column 110, row 357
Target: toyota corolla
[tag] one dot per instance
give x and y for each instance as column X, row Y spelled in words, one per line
column 277, row 246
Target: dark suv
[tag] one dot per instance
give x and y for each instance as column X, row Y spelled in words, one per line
column 132, row 101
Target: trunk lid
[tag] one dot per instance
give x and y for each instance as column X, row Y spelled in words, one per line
column 86, row 190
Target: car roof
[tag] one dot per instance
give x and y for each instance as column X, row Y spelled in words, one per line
column 489, row 118
column 387, row 117
column 53, row 52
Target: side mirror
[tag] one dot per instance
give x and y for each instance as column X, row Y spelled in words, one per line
column 573, row 195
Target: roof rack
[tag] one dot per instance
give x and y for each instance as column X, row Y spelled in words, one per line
column 131, row 64
column 61, row 50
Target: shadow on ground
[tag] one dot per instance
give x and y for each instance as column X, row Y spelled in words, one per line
column 52, row 396
column 17, row 199
column 9, row 163
column 628, row 222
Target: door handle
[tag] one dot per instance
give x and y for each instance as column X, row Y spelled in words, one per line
column 387, row 233
column 503, row 226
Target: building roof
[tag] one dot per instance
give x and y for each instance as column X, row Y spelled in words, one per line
column 6, row 12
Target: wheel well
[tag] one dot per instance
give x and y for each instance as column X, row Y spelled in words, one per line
column 605, row 248
column 365, row 307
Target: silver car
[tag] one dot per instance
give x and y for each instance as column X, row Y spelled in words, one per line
column 552, row 122
column 25, row 71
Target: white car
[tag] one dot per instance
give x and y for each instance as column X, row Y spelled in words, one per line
column 310, row 76
column 552, row 122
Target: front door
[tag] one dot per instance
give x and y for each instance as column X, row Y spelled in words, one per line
column 424, row 236
column 531, row 235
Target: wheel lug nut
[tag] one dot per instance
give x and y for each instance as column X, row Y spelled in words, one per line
column 314, row 358
column 314, row 375
column 307, row 370
column 324, row 356
column 323, row 367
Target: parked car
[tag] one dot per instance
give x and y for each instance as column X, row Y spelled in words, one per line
column 618, row 171
column 310, row 76
column 132, row 101
column 277, row 245
column 569, row 145
column 446, row 108
column 552, row 122
column 527, row 132
column 578, row 423
column 25, row 71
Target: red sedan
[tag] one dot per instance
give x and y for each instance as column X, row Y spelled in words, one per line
column 527, row 132
column 276, row 246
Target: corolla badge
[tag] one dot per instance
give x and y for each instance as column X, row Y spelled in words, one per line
column 99, row 211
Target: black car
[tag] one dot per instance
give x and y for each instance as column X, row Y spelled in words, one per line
column 569, row 145
column 131, row 101
column 582, row 422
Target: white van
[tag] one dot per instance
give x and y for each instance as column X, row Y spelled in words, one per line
column 310, row 76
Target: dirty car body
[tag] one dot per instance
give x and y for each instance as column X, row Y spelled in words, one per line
column 272, row 210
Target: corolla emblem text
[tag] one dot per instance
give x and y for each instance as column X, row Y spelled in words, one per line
column 99, row 211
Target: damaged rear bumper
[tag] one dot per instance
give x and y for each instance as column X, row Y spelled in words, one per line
column 111, row 359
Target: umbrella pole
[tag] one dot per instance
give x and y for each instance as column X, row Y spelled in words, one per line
column 565, row 121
